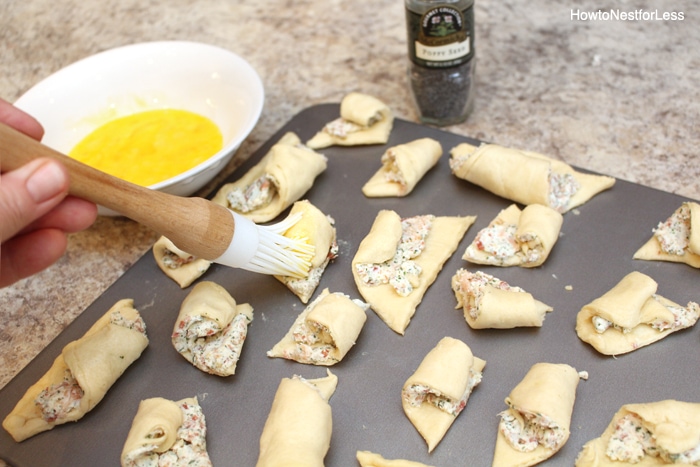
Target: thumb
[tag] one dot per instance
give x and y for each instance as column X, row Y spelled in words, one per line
column 29, row 192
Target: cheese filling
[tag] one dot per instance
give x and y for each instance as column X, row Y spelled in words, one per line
column 392, row 172
column 501, row 242
column 190, row 447
column 174, row 260
column 417, row 394
column 526, row 430
column 562, row 186
column 305, row 286
column 211, row 347
column 58, row 400
column 314, row 343
column 400, row 269
column 471, row 287
column 341, row 127
column 254, row 196
column 673, row 235
column 631, row 441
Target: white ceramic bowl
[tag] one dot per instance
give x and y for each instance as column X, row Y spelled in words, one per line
column 201, row 78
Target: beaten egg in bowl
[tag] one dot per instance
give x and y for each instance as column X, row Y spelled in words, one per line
column 149, row 147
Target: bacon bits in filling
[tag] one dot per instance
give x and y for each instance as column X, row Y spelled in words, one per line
column 631, row 441
column 398, row 271
column 213, row 349
column 673, row 235
column 256, row 195
column 525, row 431
column 418, row 394
column 561, row 188
column 190, row 447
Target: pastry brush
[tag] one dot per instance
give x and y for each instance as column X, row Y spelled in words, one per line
column 195, row 225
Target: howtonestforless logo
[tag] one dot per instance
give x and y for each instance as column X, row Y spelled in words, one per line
column 620, row 15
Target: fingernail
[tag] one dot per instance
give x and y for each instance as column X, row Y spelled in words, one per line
column 46, row 182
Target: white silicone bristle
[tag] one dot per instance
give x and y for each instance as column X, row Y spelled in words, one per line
column 265, row 250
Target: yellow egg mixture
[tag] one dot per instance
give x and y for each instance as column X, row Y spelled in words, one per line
column 151, row 146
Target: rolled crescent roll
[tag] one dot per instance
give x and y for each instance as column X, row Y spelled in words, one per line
column 632, row 315
column 316, row 229
column 299, row 426
column 211, row 328
column 324, row 332
column 400, row 258
column 538, row 419
column 165, row 432
column 526, row 177
column 178, row 265
column 649, row 434
column 677, row 239
column 403, row 166
column 489, row 302
column 82, row 374
column 281, row 177
column 371, row 459
column 364, row 120
column 438, row 391
column 517, row 238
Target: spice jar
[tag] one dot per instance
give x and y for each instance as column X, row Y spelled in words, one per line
column 441, row 59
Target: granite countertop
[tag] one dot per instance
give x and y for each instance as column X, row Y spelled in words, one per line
column 616, row 97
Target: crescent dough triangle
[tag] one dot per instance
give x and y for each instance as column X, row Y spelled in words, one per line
column 279, row 179
column 526, row 177
column 677, row 239
column 400, row 258
column 363, row 120
column 537, row 422
column 438, row 391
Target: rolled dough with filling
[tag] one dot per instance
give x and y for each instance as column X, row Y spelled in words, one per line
column 371, row 459
column 211, row 328
column 298, row 428
column 165, row 432
column 438, row 391
column 539, row 410
column 403, row 166
column 632, row 315
column 380, row 246
column 82, row 374
column 364, row 120
column 324, row 332
column 178, row 265
column 525, row 177
column 489, row 302
column 661, row 431
column 677, row 239
column 317, row 229
column 517, row 238
column 292, row 169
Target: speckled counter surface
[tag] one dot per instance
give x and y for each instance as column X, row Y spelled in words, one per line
column 617, row 97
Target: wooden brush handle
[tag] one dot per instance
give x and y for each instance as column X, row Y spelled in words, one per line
column 196, row 225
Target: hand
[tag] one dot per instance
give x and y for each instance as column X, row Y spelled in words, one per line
column 36, row 211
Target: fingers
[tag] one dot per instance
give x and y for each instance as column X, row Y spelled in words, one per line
column 29, row 192
column 71, row 215
column 30, row 253
column 19, row 120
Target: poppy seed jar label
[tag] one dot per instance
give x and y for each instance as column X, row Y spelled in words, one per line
column 441, row 37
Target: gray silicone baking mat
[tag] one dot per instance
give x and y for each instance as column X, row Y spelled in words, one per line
column 593, row 253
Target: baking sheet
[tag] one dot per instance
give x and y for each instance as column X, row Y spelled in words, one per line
column 593, row 253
